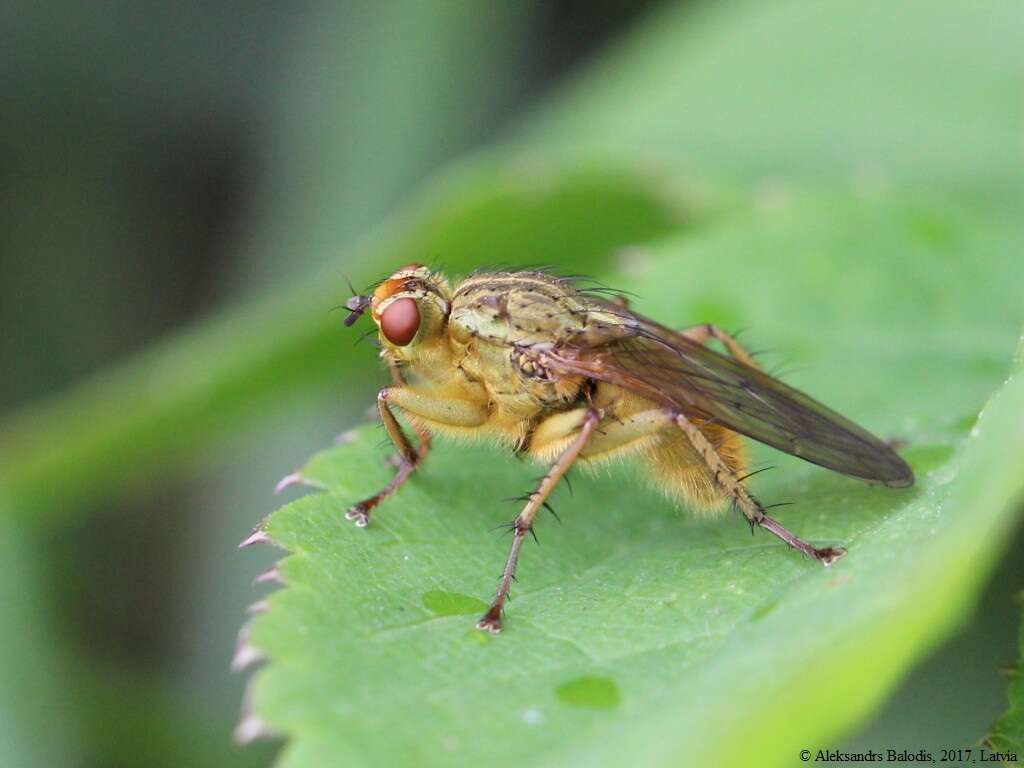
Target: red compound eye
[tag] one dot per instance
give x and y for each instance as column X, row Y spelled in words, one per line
column 400, row 321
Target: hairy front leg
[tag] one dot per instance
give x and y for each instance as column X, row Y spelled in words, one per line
column 450, row 412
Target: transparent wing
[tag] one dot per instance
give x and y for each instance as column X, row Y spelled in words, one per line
column 657, row 363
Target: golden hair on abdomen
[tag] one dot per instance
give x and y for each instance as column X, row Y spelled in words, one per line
column 678, row 472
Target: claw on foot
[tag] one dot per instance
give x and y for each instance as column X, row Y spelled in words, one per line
column 490, row 622
column 828, row 555
column 359, row 514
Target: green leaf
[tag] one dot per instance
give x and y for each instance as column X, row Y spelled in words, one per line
column 1007, row 735
column 640, row 635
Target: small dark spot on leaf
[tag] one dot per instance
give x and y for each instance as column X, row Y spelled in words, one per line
column 589, row 692
column 989, row 366
column 931, row 230
column 764, row 609
column 452, row 603
column 965, row 423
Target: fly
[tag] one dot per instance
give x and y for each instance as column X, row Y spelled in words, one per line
column 566, row 376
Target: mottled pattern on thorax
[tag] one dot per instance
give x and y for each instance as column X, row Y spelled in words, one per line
column 498, row 318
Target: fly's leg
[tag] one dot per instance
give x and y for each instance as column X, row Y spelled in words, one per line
column 616, row 437
column 751, row 508
column 523, row 524
column 407, row 460
column 702, row 334
column 726, row 478
column 450, row 412
column 397, row 459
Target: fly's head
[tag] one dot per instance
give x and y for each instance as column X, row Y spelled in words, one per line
column 410, row 309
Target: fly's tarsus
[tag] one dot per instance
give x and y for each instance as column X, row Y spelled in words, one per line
column 824, row 555
column 406, row 460
column 361, row 512
column 490, row 621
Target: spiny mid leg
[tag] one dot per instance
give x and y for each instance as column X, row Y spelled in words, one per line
column 407, row 460
column 523, row 524
column 751, row 508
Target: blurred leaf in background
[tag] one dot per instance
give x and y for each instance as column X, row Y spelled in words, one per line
column 869, row 91
column 33, row 673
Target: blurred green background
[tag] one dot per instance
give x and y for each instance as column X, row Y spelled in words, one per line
column 162, row 161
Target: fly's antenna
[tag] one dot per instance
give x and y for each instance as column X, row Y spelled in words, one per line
column 356, row 305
